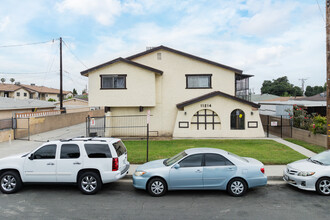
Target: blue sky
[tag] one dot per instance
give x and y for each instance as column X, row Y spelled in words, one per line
column 265, row 38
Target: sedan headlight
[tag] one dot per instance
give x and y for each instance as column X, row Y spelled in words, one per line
column 139, row 173
column 305, row 173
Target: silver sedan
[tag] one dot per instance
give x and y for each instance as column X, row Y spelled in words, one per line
column 311, row 174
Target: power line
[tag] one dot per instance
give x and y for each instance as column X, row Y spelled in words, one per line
column 32, row 73
column 74, row 54
column 27, row 44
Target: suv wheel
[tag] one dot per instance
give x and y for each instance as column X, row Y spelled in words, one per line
column 323, row 186
column 10, row 182
column 157, row 187
column 236, row 187
column 89, row 183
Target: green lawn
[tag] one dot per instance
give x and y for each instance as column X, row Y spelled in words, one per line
column 267, row 151
column 312, row 147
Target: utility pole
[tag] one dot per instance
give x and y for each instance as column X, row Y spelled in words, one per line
column 61, row 78
column 327, row 7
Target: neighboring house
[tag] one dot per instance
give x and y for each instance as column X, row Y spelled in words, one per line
column 45, row 93
column 22, row 91
column 9, row 107
column 13, row 91
column 284, row 105
column 187, row 96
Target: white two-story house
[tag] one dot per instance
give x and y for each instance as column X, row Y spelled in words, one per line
column 188, row 96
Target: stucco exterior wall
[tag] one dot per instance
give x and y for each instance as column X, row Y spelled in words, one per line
column 140, row 86
column 223, row 107
column 161, row 93
column 21, row 92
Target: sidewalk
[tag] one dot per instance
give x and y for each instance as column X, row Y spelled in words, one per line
column 274, row 172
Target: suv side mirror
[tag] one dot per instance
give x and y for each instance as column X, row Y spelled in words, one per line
column 31, row 156
column 176, row 166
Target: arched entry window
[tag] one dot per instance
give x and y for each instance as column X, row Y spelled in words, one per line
column 205, row 119
column 237, row 119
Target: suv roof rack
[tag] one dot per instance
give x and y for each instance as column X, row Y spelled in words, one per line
column 82, row 138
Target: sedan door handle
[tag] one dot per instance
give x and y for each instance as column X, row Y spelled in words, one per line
column 231, row 168
column 76, row 163
column 198, row 171
column 51, row 164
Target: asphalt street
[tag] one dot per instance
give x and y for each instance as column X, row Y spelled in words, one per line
column 120, row 200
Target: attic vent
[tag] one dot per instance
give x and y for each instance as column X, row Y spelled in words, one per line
column 159, row 56
column 149, row 48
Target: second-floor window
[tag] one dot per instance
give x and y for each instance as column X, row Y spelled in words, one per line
column 113, row 81
column 200, row 81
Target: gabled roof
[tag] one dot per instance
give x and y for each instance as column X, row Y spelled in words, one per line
column 9, row 87
column 212, row 94
column 186, row 55
column 43, row 89
column 120, row 59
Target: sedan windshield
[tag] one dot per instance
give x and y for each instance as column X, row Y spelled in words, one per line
column 172, row 160
column 321, row 158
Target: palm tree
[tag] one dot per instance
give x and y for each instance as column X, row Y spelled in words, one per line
column 3, row 80
column 12, row 80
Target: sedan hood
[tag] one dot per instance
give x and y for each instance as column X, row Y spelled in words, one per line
column 305, row 165
column 151, row 165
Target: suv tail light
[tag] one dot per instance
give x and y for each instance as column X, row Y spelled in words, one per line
column 262, row 170
column 114, row 164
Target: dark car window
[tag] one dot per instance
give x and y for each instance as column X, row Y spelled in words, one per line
column 216, row 160
column 45, row 152
column 120, row 148
column 192, row 161
column 98, row 150
column 70, row 151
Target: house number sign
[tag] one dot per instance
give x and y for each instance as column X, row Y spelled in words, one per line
column 206, row 105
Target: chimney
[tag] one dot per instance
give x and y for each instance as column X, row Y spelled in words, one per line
column 17, row 83
column 33, row 84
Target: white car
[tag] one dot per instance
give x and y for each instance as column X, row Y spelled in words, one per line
column 310, row 174
column 88, row 162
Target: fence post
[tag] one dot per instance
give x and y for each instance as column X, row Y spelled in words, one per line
column 28, row 129
column 104, row 125
column 147, row 142
column 281, row 126
column 87, row 127
column 267, row 125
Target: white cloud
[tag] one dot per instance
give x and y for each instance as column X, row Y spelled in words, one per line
column 103, row 11
column 4, row 23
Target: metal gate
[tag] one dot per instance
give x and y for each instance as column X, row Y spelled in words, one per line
column 279, row 125
column 123, row 126
column 21, row 128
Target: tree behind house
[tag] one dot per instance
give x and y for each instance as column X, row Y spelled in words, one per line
column 281, row 87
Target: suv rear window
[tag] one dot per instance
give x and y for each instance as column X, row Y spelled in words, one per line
column 120, row 148
column 98, row 150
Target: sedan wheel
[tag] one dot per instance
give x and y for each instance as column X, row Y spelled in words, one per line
column 323, row 186
column 10, row 182
column 236, row 187
column 157, row 187
column 89, row 183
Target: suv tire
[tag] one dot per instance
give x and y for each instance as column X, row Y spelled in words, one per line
column 157, row 187
column 236, row 187
column 89, row 183
column 323, row 186
column 10, row 182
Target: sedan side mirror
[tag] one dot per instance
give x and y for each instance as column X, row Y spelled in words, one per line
column 31, row 156
column 176, row 166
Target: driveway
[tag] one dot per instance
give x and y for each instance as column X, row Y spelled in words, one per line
column 19, row 146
